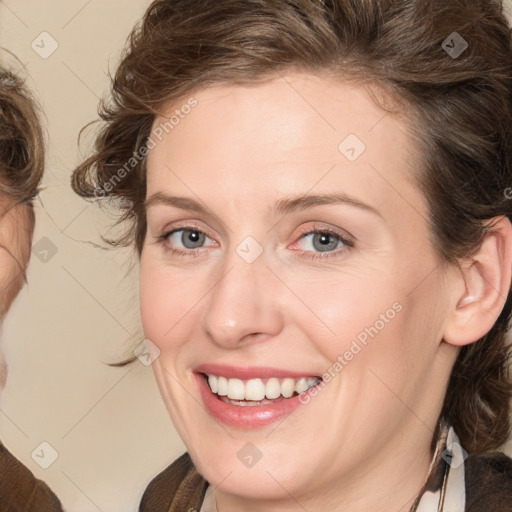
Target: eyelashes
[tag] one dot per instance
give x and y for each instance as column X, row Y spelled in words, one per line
column 317, row 235
column 166, row 238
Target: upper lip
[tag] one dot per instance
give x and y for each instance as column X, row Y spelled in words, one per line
column 249, row 372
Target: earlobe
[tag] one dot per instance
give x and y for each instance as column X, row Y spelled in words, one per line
column 487, row 280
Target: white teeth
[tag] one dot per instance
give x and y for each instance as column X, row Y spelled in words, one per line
column 222, row 384
column 273, row 388
column 288, row 387
column 236, row 389
column 213, row 382
column 255, row 390
column 312, row 381
column 300, row 387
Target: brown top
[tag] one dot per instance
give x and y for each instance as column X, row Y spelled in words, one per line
column 179, row 487
column 20, row 490
column 486, row 484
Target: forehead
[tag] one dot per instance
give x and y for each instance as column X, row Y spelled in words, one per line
column 290, row 135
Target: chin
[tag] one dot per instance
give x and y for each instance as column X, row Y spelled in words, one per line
column 267, row 479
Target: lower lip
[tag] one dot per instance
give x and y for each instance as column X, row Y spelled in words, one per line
column 248, row 417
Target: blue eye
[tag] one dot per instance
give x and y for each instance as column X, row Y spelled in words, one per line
column 189, row 238
column 320, row 243
column 323, row 241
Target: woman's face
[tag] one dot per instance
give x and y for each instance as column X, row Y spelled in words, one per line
column 236, row 284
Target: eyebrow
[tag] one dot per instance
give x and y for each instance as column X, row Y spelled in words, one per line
column 282, row 206
column 304, row 202
column 183, row 203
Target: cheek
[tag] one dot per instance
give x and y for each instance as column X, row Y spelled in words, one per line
column 169, row 302
column 373, row 319
column 347, row 307
column 158, row 298
column 11, row 281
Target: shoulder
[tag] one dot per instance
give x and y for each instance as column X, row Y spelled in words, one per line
column 20, row 490
column 488, row 483
column 179, row 487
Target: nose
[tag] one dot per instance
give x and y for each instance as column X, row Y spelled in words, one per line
column 243, row 306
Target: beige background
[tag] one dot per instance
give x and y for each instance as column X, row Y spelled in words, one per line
column 80, row 310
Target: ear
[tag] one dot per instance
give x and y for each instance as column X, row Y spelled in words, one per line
column 487, row 279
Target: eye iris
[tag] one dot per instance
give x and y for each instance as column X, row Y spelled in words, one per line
column 327, row 242
column 195, row 238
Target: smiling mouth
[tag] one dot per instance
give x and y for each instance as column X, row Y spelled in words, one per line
column 254, row 392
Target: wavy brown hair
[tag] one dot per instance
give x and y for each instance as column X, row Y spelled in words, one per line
column 21, row 140
column 460, row 107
